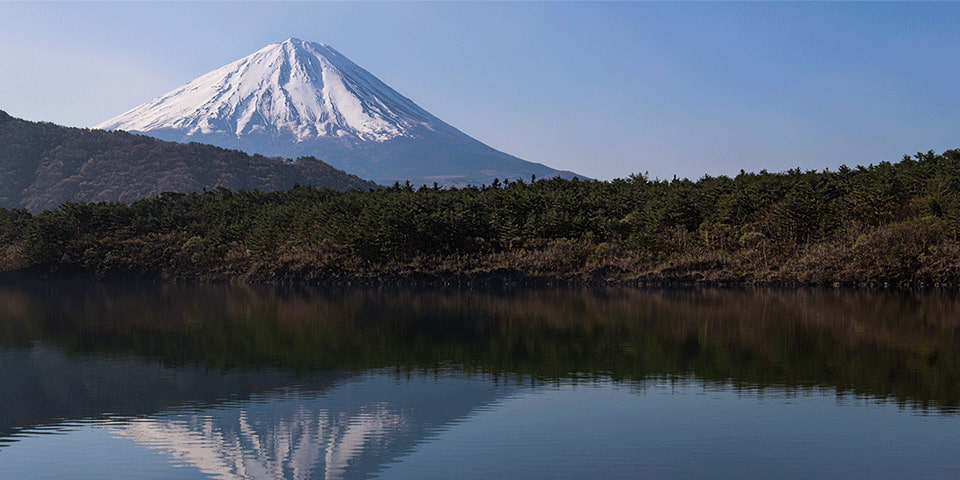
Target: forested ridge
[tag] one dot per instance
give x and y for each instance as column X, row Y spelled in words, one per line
column 896, row 223
column 43, row 165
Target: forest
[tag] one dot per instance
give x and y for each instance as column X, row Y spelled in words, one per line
column 43, row 165
column 892, row 223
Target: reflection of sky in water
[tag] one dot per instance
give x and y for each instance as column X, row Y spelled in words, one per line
column 379, row 426
column 687, row 430
column 347, row 431
column 102, row 385
column 85, row 451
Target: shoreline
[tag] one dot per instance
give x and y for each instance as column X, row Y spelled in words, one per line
column 494, row 279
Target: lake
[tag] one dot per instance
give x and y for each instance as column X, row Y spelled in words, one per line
column 255, row 382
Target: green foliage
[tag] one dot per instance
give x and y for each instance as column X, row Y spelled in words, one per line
column 892, row 221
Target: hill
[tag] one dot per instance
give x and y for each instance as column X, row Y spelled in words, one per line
column 43, row 165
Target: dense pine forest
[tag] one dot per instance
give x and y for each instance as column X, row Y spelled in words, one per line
column 890, row 223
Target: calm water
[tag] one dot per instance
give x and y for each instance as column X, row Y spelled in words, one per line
column 168, row 382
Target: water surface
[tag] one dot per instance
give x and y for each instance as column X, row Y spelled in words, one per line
column 224, row 382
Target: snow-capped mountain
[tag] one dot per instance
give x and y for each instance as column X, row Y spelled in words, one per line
column 302, row 89
column 298, row 98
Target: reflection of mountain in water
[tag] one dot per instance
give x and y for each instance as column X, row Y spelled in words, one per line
column 43, row 386
column 350, row 431
column 901, row 345
column 247, row 424
column 233, row 448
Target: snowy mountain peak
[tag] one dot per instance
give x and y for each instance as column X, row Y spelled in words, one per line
column 294, row 88
column 297, row 98
column 297, row 43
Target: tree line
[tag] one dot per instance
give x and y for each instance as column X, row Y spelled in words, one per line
column 890, row 222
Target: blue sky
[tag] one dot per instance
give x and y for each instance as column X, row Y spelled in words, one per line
column 603, row 89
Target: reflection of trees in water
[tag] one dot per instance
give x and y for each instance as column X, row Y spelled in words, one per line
column 43, row 386
column 879, row 343
column 252, row 424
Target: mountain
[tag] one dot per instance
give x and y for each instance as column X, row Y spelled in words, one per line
column 43, row 165
column 298, row 98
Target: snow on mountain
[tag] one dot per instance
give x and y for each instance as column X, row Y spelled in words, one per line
column 303, row 88
column 298, row 98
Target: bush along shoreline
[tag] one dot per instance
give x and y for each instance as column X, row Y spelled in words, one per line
column 890, row 224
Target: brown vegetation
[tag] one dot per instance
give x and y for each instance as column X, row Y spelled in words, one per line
column 43, row 165
column 893, row 224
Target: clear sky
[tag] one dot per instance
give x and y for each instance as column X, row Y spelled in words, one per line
column 603, row 89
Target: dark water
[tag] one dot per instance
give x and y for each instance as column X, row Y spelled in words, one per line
column 194, row 382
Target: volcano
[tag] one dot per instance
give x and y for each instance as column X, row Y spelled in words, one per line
column 297, row 98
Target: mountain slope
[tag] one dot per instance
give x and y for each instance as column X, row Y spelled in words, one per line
column 298, row 98
column 43, row 165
